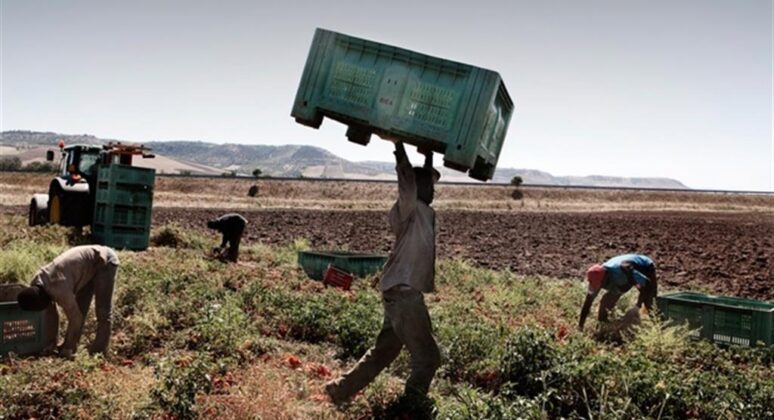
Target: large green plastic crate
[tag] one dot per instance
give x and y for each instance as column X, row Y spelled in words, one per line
column 451, row 108
column 726, row 320
column 123, row 206
column 115, row 173
column 315, row 263
column 140, row 195
column 21, row 332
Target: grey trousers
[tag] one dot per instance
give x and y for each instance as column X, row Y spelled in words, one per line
column 406, row 323
column 101, row 289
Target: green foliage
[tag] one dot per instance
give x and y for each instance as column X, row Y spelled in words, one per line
column 20, row 261
column 257, row 172
column 180, row 379
column 527, row 357
column 40, row 167
column 357, row 323
column 222, row 329
column 473, row 404
column 470, row 348
column 49, row 388
column 516, row 181
column 174, row 236
column 12, row 163
column 188, row 319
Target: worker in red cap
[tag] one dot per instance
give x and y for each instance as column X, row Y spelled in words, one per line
column 617, row 275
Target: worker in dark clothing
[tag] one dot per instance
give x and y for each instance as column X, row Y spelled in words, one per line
column 232, row 226
column 71, row 280
column 617, row 275
column 408, row 273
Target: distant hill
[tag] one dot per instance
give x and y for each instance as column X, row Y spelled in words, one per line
column 291, row 161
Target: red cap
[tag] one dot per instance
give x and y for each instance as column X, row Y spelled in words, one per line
column 595, row 275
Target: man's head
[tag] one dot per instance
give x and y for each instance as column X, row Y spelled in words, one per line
column 33, row 298
column 595, row 275
column 212, row 224
column 426, row 179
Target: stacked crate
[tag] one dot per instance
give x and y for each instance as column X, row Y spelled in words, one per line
column 122, row 207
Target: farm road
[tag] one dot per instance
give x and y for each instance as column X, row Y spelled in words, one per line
column 725, row 253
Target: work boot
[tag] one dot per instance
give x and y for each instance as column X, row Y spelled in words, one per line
column 333, row 391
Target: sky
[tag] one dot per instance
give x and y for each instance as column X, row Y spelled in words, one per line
column 661, row 88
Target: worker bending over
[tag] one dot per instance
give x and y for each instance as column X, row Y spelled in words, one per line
column 408, row 273
column 617, row 275
column 232, row 226
column 71, row 280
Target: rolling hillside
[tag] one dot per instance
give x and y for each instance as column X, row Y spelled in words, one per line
column 198, row 157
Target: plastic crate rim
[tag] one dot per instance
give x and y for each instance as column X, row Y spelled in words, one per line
column 684, row 297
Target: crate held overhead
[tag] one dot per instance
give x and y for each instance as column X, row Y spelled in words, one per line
column 455, row 109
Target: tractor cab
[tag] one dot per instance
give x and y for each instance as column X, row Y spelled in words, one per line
column 77, row 162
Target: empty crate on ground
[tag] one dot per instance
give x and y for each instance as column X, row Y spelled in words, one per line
column 727, row 320
column 315, row 263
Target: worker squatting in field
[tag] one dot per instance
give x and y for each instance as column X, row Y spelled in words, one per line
column 617, row 275
column 232, row 226
column 71, row 280
column 408, row 273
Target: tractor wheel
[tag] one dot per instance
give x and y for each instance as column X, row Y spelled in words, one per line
column 55, row 209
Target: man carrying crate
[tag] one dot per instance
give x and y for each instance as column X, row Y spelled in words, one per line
column 408, row 273
column 71, row 280
column 617, row 275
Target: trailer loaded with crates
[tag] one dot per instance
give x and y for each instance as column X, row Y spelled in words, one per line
column 455, row 109
column 97, row 186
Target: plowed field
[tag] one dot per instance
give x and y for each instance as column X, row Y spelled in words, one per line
column 725, row 253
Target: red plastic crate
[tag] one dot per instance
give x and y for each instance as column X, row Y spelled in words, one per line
column 337, row 278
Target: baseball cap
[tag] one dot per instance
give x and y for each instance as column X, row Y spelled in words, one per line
column 595, row 275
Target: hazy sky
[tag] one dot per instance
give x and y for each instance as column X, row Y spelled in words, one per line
column 679, row 89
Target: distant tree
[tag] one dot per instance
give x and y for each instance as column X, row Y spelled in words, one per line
column 185, row 173
column 229, row 174
column 516, row 181
column 39, row 167
column 10, row 163
column 257, row 173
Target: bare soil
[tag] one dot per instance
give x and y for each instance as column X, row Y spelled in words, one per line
column 717, row 252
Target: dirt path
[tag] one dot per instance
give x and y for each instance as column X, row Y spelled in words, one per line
column 722, row 253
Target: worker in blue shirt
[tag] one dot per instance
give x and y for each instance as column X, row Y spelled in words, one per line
column 617, row 275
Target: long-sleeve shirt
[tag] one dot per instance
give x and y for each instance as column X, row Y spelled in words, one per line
column 618, row 269
column 66, row 275
column 412, row 260
column 230, row 225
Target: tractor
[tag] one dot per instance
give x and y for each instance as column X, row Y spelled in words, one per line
column 72, row 194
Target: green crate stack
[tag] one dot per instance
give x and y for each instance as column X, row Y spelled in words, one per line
column 725, row 320
column 123, row 206
column 315, row 263
column 21, row 332
column 455, row 109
